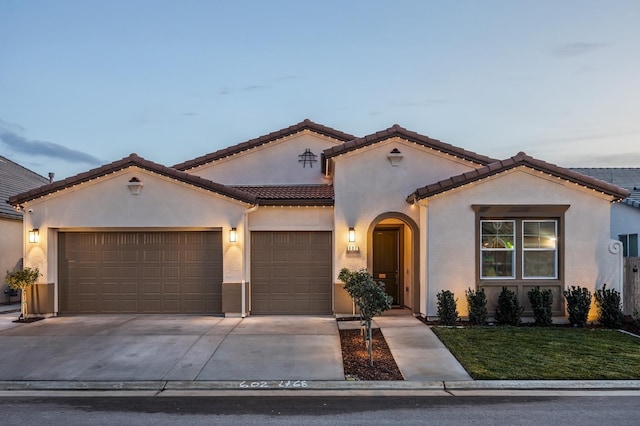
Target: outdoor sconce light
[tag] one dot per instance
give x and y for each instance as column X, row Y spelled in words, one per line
column 352, row 235
column 395, row 157
column 135, row 185
column 233, row 235
column 34, row 236
column 352, row 248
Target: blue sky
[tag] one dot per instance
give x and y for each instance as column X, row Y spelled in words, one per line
column 86, row 82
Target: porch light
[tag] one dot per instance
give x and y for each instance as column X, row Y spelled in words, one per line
column 135, row 185
column 34, row 236
column 233, row 235
column 352, row 235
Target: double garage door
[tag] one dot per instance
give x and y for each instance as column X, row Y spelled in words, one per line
column 140, row 272
column 291, row 273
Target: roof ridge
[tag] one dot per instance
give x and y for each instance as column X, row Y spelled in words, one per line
column 306, row 124
column 132, row 160
column 517, row 160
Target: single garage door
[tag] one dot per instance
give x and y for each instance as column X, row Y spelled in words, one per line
column 291, row 273
column 140, row 272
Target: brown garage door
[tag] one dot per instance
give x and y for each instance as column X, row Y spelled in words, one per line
column 291, row 272
column 140, row 272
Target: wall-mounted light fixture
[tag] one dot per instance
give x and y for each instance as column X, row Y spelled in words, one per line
column 34, row 236
column 233, row 235
column 395, row 157
column 352, row 235
column 135, row 185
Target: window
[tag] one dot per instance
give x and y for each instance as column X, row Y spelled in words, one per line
column 629, row 244
column 498, row 242
column 530, row 244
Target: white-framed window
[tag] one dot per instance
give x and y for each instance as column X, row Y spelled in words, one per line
column 497, row 249
column 539, row 249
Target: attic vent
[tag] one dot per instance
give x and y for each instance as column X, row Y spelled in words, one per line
column 307, row 157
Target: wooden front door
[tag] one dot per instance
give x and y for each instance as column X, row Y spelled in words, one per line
column 386, row 261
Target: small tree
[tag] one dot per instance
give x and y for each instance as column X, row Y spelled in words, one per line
column 477, row 302
column 509, row 309
column 541, row 301
column 447, row 309
column 21, row 280
column 578, row 305
column 609, row 311
column 370, row 298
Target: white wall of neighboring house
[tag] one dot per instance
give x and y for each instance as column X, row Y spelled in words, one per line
column 107, row 204
column 273, row 163
column 625, row 219
column 11, row 246
column 452, row 256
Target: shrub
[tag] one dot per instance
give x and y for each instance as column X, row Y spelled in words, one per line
column 447, row 311
column 509, row 310
column 609, row 310
column 541, row 301
column 477, row 303
column 578, row 305
column 21, row 280
column 636, row 316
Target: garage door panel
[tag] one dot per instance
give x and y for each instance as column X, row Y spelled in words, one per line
column 286, row 278
column 140, row 272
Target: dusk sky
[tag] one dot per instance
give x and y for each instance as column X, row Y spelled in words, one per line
column 84, row 83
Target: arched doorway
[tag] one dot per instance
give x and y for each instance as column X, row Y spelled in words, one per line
column 393, row 258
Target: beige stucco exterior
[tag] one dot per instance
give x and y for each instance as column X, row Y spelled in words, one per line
column 439, row 232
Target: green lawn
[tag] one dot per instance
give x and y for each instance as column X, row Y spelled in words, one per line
column 529, row 353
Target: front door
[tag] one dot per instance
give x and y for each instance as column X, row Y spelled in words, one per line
column 386, row 261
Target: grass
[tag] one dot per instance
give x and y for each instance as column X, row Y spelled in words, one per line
column 529, row 353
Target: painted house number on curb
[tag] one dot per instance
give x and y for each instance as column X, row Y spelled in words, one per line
column 273, row 384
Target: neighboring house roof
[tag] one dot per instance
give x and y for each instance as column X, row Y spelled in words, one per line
column 627, row 178
column 401, row 132
column 15, row 179
column 521, row 159
column 291, row 195
column 244, row 146
column 133, row 160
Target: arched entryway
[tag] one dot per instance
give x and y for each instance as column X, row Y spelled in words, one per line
column 393, row 258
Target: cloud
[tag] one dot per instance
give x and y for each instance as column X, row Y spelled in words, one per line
column 255, row 87
column 19, row 143
column 576, row 49
column 425, row 103
column 189, row 114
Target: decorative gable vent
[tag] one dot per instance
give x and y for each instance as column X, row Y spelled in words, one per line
column 307, row 157
column 135, row 185
column 395, row 157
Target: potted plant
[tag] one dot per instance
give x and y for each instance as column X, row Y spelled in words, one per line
column 21, row 280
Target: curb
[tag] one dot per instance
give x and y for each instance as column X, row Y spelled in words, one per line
column 316, row 385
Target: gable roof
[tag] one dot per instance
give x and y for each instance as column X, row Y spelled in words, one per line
column 291, row 195
column 521, row 159
column 627, row 178
column 401, row 132
column 15, row 179
column 130, row 161
column 253, row 143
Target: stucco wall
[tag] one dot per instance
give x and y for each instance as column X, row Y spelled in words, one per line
column 451, row 251
column 11, row 244
column 106, row 203
column 625, row 219
column 273, row 163
column 367, row 185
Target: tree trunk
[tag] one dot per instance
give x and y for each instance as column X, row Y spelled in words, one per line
column 24, row 304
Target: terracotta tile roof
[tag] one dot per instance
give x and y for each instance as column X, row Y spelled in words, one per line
column 626, row 177
column 521, row 159
column 401, row 132
column 244, row 146
column 133, row 160
column 291, row 195
column 15, row 179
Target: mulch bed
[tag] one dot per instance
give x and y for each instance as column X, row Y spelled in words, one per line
column 355, row 357
column 28, row 320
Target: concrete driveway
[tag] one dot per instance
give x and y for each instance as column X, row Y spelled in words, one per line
column 170, row 347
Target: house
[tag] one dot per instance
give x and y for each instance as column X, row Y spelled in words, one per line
column 13, row 179
column 625, row 216
column 265, row 226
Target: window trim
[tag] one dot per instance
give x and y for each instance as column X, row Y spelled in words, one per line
column 519, row 212
column 512, row 250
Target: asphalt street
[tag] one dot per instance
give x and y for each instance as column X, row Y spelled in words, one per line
column 597, row 409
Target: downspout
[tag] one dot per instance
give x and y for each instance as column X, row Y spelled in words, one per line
column 245, row 238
